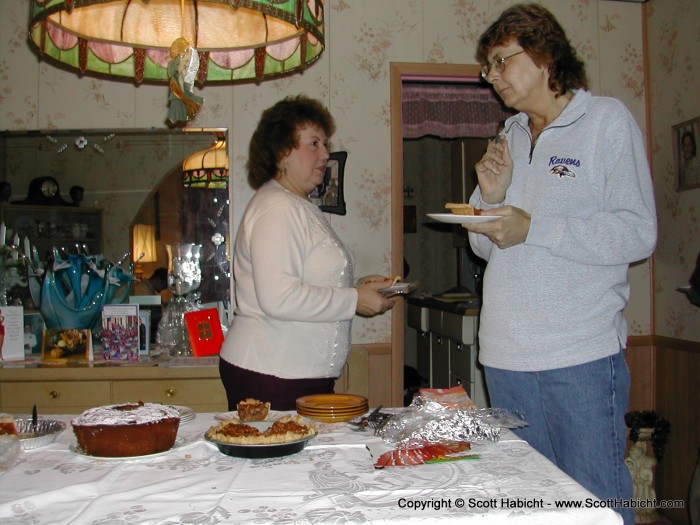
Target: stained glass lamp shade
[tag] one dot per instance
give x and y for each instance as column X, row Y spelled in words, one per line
column 236, row 40
column 208, row 168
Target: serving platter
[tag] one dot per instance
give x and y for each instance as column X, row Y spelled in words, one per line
column 273, row 450
column 75, row 448
column 451, row 218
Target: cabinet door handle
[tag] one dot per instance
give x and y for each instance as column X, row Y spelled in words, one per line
column 170, row 392
column 53, row 394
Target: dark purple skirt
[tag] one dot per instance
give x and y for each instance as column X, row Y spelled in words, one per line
column 282, row 394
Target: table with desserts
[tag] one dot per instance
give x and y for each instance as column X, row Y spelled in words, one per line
column 331, row 480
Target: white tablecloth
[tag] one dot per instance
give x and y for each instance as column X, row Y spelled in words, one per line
column 332, row 481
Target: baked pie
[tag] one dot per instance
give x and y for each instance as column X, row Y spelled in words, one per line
column 285, row 430
column 252, row 410
column 463, row 208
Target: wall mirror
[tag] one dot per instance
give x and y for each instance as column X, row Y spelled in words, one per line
column 103, row 190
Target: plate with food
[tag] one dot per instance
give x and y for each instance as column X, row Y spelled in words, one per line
column 451, row 218
column 273, row 415
column 261, row 439
column 250, row 409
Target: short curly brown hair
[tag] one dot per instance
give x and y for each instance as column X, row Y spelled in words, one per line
column 277, row 133
column 539, row 33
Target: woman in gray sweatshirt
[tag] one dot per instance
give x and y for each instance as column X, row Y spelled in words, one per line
column 570, row 182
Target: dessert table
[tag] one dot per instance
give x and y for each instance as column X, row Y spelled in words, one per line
column 331, row 481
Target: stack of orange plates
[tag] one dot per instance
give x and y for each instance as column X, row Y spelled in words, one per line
column 332, row 408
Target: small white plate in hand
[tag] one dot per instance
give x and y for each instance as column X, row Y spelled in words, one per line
column 399, row 288
column 451, row 218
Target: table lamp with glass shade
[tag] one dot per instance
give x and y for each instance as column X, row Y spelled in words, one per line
column 143, row 237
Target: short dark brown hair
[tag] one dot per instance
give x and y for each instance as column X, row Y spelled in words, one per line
column 277, row 134
column 539, row 33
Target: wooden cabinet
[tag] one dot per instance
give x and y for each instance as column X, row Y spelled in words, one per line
column 70, row 390
column 49, row 226
column 447, row 349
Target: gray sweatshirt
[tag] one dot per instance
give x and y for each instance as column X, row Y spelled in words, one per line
column 556, row 300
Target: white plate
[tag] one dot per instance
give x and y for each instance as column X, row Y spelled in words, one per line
column 186, row 413
column 399, row 288
column 451, row 218
column 75, row 448
column 274, row 415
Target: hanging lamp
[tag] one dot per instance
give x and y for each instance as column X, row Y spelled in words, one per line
column 229, row 40
column 208, row 168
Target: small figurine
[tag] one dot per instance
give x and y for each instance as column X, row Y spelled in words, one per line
column 182, row 69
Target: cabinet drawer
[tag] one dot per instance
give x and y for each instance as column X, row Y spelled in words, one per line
column 199, row 394
column 461, row 359
column 53, row 397
column 459, row 327
column 417, row 317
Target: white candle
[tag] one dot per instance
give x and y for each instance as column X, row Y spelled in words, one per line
column 27, row 248
column 3, row 232
column 15, row 241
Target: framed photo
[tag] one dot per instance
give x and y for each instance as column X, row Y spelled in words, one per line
column 11, row 337
column 685, row 148
column 144, row 331
column 60, row 347
column 329, row 195
column 33, row 333
column 120, row 332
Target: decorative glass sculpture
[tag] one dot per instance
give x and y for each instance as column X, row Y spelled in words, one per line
column 75, row 287
column 184, row 278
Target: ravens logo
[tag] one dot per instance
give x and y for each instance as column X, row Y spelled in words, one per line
column 562, row 171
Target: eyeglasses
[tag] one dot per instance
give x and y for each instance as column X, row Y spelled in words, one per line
column 499, row 64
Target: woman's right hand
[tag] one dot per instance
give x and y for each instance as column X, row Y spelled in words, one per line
column 495, row 171
column 370, row 301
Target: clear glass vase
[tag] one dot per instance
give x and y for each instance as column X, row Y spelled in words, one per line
column 184, row 278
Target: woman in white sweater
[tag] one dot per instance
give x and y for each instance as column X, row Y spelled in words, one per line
column 295, row 293
column 571, row 183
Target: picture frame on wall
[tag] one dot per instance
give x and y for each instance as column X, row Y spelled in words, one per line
column 329, row 195
column 685, row 148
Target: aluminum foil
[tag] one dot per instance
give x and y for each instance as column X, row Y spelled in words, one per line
column 428, row 421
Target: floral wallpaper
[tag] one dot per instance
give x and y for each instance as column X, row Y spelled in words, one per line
column 362, row 38
column 674, row 64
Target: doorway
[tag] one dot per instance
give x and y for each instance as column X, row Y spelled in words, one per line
column 400, row 74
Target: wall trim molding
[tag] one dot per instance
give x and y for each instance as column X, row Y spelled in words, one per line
column 662, row 341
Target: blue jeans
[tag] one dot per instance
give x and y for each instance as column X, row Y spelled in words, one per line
column 576, row 419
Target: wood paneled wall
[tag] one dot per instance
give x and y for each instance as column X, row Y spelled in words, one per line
column 664, row 376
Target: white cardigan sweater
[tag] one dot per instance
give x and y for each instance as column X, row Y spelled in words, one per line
column 295, row 299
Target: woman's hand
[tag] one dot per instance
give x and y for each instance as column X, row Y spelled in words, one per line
column 508, row 231
column 370, row 301
column 495, row 171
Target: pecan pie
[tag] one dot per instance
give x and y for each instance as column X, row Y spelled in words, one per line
column 285, row 430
